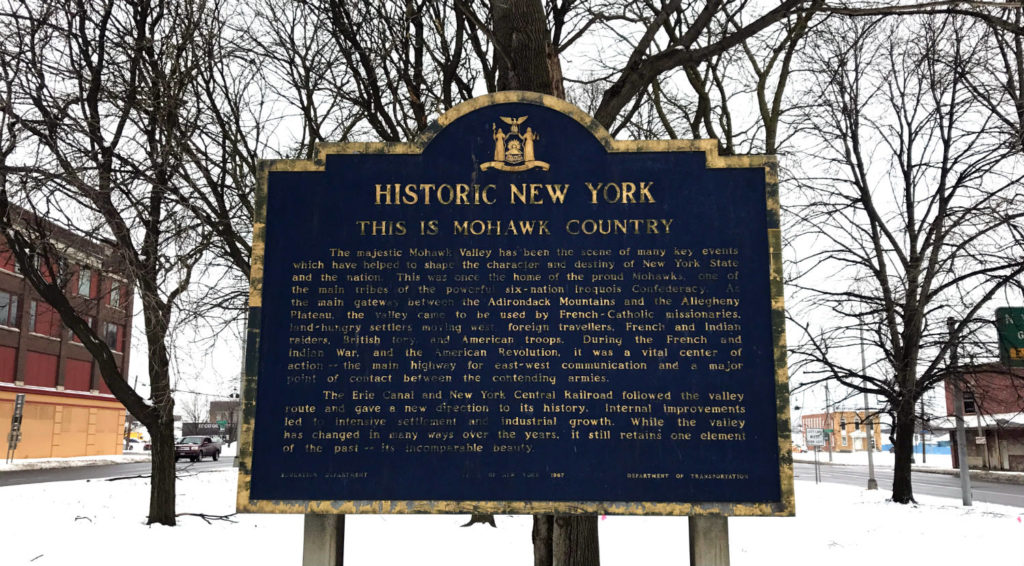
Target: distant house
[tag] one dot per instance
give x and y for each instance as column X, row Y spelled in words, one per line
column 68, row 409
column 993, row 418
column 848, row 431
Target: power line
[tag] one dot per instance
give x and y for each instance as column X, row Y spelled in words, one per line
column 229, row 396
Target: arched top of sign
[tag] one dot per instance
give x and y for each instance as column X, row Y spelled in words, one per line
column 514, row 131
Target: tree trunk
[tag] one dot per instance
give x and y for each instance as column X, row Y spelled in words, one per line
column 161, row 485
column 526, row 60
column 574, row 541
column 555, row 72
column 521, row 46
column 902, row 489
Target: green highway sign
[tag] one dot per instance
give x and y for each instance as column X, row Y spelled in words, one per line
column 1010, row 328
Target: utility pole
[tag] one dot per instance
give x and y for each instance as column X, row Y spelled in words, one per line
column 829, row 429
column 869, row 436
column 924, row 458
column 958, row 408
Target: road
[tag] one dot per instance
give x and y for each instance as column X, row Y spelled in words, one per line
column 924, row 483
column 104, row 471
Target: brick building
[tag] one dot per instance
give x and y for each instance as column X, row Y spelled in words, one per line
column 68, row 409
column 848, row 434
column 228, row 413
column 993, row 418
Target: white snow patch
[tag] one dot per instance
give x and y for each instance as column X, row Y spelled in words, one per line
column 53, row 463
column 102, row 522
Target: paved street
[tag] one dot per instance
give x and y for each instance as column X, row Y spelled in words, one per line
column 104, row 471
column 924, row 483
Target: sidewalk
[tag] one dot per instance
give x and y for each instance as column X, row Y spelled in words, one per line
column 934, row 464
column 126, row 458
column 52, row 463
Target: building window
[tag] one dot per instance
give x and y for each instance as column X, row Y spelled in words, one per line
column 85, row 282
column 113, row 335
column 856, row 421
column 842, row 423
column 73, row 336
column 845, row 440
column 43, row 319
column 970, row 405
column 8, row 309
column 115, row 294
column 51, row 269
column 7, row 261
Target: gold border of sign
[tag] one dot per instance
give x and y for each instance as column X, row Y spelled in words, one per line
column 785, row 507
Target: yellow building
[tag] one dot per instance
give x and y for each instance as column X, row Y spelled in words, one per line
column 848, row 433
column 57, row 424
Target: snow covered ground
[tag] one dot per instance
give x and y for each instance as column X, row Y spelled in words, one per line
column 103, row 523
column 884, row 459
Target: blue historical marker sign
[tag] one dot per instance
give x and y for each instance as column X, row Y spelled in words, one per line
column 517, row 314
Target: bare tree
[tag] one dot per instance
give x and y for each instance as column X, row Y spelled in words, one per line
column 700, row 97
column 407, row 61
column 99, row 91
column 195, row 407
column 677, row 35
column 999, row 84
column 291, row 47
column 906, row 209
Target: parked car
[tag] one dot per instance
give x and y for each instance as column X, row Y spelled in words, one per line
column 196, row 448
column 133, row 444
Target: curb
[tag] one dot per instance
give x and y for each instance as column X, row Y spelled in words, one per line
column 985, row 475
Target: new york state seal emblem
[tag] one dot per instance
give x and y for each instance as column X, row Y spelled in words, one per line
column 514, row 150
